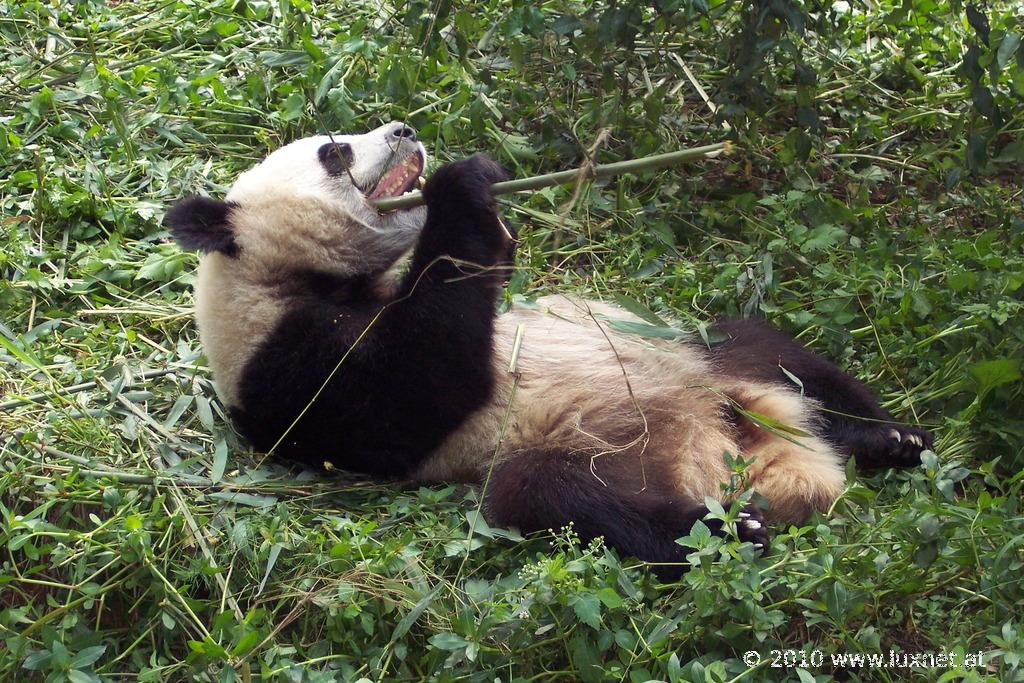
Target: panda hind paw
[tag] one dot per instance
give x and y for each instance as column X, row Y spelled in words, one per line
column 751, row 528
column 891, row 445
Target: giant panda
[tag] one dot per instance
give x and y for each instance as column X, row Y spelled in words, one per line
column 341, row 336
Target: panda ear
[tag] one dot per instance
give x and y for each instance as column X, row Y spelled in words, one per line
column 202, row 223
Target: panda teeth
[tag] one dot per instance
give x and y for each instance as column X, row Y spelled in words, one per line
column 406, row 174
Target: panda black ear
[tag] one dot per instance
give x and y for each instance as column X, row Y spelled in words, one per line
column 202, row 223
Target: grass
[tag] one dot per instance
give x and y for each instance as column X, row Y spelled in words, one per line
column 872, row 206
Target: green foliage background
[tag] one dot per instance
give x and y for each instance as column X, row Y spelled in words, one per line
column 872, row 206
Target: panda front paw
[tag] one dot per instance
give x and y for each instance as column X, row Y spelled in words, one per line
column 462, row 217
column 890, row 445
column 468, row 180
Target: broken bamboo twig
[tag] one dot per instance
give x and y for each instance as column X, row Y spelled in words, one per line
column 650, row 163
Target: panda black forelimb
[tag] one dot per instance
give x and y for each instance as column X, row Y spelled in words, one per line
column 462, row 232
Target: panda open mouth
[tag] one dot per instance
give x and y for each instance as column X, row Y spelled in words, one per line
column 400, row 178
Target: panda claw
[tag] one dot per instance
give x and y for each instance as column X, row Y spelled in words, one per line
column 751, row 528
column 887, row 446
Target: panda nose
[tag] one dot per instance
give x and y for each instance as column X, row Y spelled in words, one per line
column 404, row 131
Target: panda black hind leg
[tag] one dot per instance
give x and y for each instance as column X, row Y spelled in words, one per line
column 854, row 421
column 548, row 489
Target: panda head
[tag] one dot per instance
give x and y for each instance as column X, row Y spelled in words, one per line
column 306, row 206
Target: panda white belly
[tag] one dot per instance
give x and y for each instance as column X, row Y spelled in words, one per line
column 627, row 402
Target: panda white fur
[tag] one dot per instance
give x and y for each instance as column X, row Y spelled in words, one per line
column 325, row 352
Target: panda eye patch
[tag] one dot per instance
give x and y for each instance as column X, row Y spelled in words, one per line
column 336, row 157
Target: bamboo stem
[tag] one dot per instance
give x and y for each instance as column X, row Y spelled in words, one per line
column 650, row 163
column 75, row 388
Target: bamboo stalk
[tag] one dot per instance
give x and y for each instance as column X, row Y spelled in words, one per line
column 75, row 388
column 650, row 163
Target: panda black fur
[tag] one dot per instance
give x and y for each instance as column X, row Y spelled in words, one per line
column 325, row 352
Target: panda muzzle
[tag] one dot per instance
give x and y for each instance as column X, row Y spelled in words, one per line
column 400, row 178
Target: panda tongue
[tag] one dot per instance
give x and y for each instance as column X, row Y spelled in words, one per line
column 399, row 179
